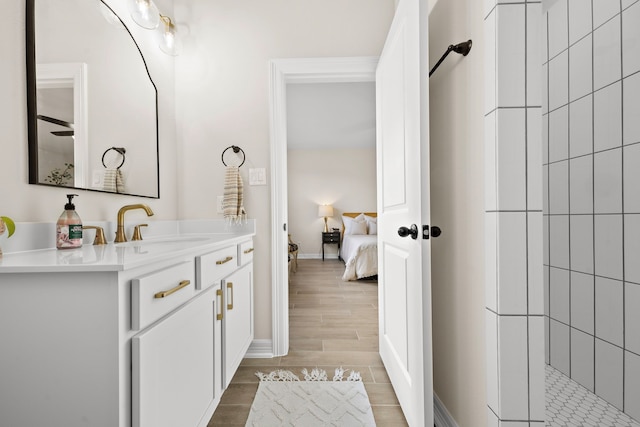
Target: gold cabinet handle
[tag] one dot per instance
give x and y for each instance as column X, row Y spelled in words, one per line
column 248, row 251
column 219, row 293
column 224, row 261
column 230, row 300
column 181, row 285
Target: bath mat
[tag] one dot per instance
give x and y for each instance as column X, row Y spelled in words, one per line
column 285, row 400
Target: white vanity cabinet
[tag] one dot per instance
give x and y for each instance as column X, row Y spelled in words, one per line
column 147, row 341
column 231, row 276
column 182, row 363
column 237, row 321
column 172, row 369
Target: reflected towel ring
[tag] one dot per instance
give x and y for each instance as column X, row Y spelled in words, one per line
column 236, row 150
column 120, row 150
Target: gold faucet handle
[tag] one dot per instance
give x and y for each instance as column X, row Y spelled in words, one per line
column 99, row 239
column 137, row 235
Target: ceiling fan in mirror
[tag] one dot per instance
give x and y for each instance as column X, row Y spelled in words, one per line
column 59, row 123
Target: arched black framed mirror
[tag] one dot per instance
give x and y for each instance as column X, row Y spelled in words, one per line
column 89, row 89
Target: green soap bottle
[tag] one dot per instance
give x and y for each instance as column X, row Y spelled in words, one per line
column 69, row 227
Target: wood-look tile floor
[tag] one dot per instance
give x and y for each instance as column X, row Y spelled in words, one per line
column 331, row 324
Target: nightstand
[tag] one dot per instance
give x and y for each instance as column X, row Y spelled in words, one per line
column 330, row 237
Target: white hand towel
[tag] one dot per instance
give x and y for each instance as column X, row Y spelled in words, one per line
column 233, row 202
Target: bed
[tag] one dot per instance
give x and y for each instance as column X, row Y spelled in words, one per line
column 359, row 248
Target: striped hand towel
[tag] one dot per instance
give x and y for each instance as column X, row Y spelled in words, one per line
column 113, row 181
column 232, row 203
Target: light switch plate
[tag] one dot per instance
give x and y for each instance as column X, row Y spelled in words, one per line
column 257, row 176
column 219, row 204
column 97, row 178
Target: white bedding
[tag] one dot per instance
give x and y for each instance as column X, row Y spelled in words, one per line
column 360, row 255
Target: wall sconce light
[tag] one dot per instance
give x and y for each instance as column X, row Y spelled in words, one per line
column 325, row 211
column 169, row 41
column 145, row 13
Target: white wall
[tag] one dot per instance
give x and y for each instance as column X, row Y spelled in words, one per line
column 343, row 178
column 457, row 207
column 222, row 94
column 33, row 203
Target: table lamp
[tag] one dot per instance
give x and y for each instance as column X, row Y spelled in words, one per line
column 324, row 211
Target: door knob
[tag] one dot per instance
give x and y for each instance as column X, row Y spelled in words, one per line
column 435, row 231
column 412, row 231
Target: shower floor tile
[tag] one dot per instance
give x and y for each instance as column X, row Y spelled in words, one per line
column 568, row 404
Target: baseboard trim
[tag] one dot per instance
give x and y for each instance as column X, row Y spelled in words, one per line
column 317, row 256
column 441, row 416
column 260, row 349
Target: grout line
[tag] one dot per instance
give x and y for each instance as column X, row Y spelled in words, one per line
column 569, row 191
column 526, row 203
column 624, row 287
column 593, row 186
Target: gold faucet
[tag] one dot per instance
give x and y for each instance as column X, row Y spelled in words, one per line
column 120, row 236
column 99, row 239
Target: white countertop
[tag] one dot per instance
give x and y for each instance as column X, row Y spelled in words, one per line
column 119, row 256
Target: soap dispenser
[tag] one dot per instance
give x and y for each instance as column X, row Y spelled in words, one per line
column 69, row 227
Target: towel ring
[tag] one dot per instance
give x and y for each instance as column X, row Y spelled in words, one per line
column 236, row 150
column 120, row 150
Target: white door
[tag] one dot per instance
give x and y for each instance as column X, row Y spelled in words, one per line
column 404, row 283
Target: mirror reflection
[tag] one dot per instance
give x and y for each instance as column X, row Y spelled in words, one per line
column 92, row 103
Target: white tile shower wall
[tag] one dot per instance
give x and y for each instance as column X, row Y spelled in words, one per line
column 579, row 20
column 510, row 56
column 631, row 106
column 630, row 37
column 632, row 317
column 513, row 367
column 515, row 40
column 581, row 243
column 632, row 384
column 592, row 283
column 631, row 176
column 607, row 117
column 581, row 127
column 582, row 358
column 609, row 373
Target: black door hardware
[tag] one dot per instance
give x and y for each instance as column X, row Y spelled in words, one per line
column 435, row 231
column 404, row 231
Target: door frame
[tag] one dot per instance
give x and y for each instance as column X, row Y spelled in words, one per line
column 281, row 73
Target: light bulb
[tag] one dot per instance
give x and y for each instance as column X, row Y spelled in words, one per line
column 144, row 13
column 169, row 41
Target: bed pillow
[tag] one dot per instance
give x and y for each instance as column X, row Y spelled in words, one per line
column 348, row 221
column 372, row 224
column 372, row 227
column 358, row 227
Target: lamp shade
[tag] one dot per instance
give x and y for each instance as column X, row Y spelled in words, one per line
column 325, row 210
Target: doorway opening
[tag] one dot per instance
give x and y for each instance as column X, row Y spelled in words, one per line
column 282, row 73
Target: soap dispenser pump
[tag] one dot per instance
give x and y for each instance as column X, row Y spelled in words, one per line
column 69, row 227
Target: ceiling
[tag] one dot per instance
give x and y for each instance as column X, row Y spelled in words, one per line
column 331, row 115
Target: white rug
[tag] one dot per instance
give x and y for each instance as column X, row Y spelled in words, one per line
column 284, row 400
